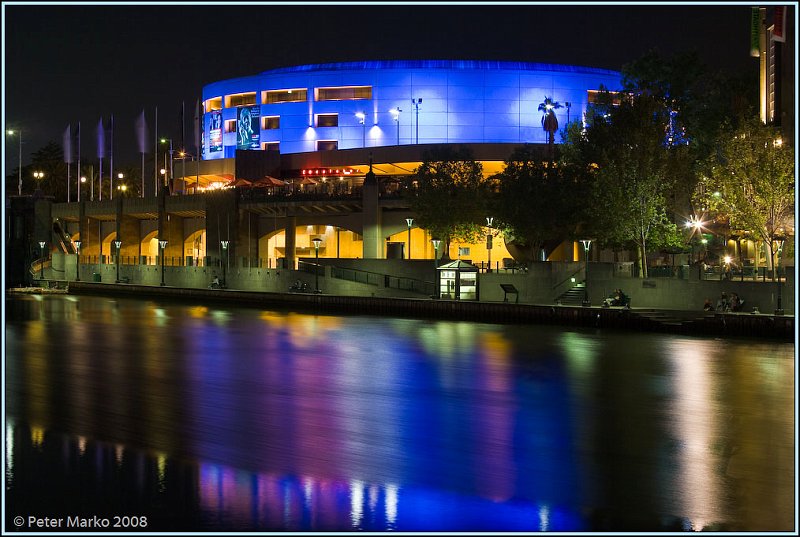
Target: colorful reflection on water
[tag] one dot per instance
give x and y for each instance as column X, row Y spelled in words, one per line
column 234, row 419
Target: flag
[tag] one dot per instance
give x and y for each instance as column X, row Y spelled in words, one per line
column 197, row 127
column 67, row 142
column 779, row 26
column 755, row 32
column 101, row 139
column 141, row 133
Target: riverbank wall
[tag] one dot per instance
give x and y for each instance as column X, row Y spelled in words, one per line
column 635, row 319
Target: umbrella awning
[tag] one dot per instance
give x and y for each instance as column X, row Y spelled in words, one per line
column 268, row 181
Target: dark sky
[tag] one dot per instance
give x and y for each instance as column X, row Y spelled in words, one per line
column 65, row 64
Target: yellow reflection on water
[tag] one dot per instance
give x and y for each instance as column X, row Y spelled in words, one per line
column 695, row 427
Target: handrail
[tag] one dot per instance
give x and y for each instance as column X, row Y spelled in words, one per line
column 569, row 278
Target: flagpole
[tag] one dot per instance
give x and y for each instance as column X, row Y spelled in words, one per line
column 79, row 163
column 155, row 156
column 68, row 156
column 111, row 157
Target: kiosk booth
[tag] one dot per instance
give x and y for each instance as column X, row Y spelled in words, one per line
column 458, row 281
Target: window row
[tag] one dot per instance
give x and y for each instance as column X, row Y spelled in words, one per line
column 269, row 123
column 289, row 95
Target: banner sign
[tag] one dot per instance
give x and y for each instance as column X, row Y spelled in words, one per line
column 215, row 131
column 248, row 130
column 779, row 27
column 755, row 32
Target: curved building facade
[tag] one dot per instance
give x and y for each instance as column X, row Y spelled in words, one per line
column 351, row 105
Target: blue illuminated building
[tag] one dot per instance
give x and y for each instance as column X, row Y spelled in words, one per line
column 353, row 105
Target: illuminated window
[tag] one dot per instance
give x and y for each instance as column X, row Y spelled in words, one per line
column 240, row 99
column 346, row 93
column 327, row 145
column 327, row 120
column 230, row 125
column 593, row 96
column 284, row 96
column 271, row 146
column 213, row 104
column 270, row 122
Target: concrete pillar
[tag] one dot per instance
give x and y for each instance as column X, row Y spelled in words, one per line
column 129, row 232
column 221, row 224
column 373, row 239
column 291, row 240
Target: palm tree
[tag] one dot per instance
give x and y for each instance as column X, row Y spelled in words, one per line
column 549, row 120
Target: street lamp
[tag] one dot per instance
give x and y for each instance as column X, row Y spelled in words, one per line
column 77, row 260
column 780, row 240
column 396, row 115
column 117, row 244
column 436, row 242
column 586, row 244
column 19, row 135
column 409, row 222
column 316, row 241
column 171, row 170
column 224, row 245
column 41, row 264
column 416, row 103
column 489, row 237
column 362, row 120
column 163, row 244
column 38, row 176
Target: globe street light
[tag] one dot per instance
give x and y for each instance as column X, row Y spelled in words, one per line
column 117, row 244
column 409, row 222
column 77, row 260
column 362, row 120
column 171, row 170
column 19, row 135
column 317, row 241
column 489, row 236
column 41, row 264
column 38, row 176
column 163, row 244
column 224, row 245
column 586, row 244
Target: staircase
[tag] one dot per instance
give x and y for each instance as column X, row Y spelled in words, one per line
column 573, row 297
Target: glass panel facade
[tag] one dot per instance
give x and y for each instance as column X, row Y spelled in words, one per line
column 285, row 96
column 348, row 93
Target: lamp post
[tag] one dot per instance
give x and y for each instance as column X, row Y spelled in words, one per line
column 77, row 260
column 409, row 222
column 117, row 244
column 163, row 244
column 38, row 176
column 780, row 240
column 436, row 242
column 316, row 241
column 362, row 119
column 171, row 170
column 19, row 135
column 41, row 264
column 586, row 244
column 224, row 245
column 489, row 237
column 416, row 103
column 396, row 113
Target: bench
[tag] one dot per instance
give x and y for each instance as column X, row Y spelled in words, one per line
column 509, row 289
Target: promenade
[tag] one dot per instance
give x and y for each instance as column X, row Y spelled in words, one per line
column 762, row 325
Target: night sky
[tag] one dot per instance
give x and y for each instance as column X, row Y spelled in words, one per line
column 65, row 64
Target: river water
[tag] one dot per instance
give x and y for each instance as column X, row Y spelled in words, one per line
column 161, row 416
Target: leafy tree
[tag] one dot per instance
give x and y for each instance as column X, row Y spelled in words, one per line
column 628, row 173
column 449, row 194
column 750, row 182
column 536, row 204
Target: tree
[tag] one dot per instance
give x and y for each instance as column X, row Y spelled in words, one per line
column 628, row 173
column 549, row 120
column 449, row 196
column 749, row 181
column 536, row 204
